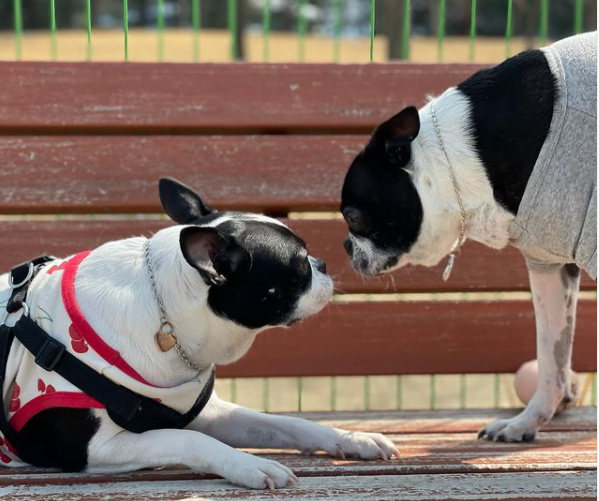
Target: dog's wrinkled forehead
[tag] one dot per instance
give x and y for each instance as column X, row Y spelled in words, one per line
column 265, row 239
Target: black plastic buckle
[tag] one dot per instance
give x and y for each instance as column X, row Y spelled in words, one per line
column 49, row 355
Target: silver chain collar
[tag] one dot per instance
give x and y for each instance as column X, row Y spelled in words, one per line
column 164, row 322
column 456, row 189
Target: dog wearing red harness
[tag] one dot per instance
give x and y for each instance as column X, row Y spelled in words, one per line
column 108, row 356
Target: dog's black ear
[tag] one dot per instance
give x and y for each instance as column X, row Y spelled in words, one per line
column 180, row 202
column 396, row 135
column 216, row 256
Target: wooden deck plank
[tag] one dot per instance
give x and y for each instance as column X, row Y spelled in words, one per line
column 175, row 98
column 472, row 271
column 578, row 485
column 419, row 455
column 445, row 421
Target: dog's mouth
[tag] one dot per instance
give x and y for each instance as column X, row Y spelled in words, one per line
column 374, row 269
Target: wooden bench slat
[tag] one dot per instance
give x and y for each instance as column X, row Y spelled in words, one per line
column 577, row 485
column 44, row 174
column 359, row 338
column 174, row 98
column 478, row 269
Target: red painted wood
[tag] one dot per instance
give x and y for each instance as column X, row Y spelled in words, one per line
column 478, row 269
column 43, row 174
column 410, row 338
column 104, row 97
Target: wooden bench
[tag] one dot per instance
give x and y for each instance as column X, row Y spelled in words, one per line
column 93, row 139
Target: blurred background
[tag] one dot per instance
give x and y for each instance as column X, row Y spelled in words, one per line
column 285, row 30
column 357, row 31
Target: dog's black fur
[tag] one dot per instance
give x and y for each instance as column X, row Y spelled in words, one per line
column 379, row 199
column 512, row 108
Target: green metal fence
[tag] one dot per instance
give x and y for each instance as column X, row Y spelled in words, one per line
column 570, row 13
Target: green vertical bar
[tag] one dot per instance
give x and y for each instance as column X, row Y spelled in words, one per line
column 300, row 387
column 233, row 390
column 53, row 50
column 302, row 28
column 433, row 391
column 594, row 390
column 265, row 393
column 405, row 34
column 399, row 393
column 496, row 391
column 544, row 27
column 88, row 12
column 441, row 30
column 232, row 22
column 372, row 27
column 333, row 393
column 472, row 30
column 266, row 29
column 463, row 391
column 160, row 26
column 578, row 9
column 126, row 28
column 18, row 23
column 195, row 26
column 366, row 393
column 338, row 15
column 509, row 29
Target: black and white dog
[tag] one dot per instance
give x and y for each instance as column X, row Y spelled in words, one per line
column 155, row 315
column 506, row 157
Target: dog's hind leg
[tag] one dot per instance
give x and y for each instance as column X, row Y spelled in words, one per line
column 555, row 292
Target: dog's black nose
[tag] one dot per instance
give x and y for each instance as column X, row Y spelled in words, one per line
column 356, row 220
column 320, row 265
column 347, row 245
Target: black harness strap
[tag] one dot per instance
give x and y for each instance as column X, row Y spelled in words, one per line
column 132, row 411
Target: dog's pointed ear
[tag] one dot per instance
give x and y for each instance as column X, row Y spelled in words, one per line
column 216, row 256
column 180, row 202
column 396, row 135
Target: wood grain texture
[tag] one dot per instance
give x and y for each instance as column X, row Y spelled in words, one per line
column 446, row 464
column 359, row 338
column 42, row 174
column 558, row 485
column 478, row 269
column 200, row 98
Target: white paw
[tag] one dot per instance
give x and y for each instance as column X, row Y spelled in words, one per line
column 257, row 473
column 355, row 444
column 524, row 426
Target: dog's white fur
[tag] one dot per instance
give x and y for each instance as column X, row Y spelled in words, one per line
column 486, row 222
column 115, row 296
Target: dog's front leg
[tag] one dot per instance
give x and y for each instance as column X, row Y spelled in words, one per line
column 241, row 427
column 113, row 450
column 555, row 292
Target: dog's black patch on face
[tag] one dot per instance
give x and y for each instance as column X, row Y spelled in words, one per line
column 512, row 108
column 379, row 200
column 268, row 291
column 64, row 434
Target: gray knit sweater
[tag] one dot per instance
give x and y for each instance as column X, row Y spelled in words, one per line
column 557, row 218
